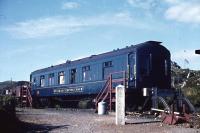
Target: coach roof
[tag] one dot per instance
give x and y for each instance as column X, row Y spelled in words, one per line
column 99, row 56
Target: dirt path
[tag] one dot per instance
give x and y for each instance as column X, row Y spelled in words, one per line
column 86, row 121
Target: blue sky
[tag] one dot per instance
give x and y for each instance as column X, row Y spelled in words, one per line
column 40, row 33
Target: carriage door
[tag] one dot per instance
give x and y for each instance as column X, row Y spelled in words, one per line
column 73, row 76
column 107, row 69
column 132, row 69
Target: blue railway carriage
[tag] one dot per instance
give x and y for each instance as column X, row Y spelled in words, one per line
column 146, row 65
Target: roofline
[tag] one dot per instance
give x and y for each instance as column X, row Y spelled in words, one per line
column 68, row 62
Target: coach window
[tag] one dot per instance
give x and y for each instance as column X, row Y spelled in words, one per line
column 33, row 80
column 51, row 79
column 61, row 77
column 73, row 76
column 86, row 73
column 42, row 80
column 107, row 64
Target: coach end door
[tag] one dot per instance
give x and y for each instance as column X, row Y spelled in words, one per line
column 132, row 69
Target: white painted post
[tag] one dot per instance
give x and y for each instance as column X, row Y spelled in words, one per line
column 120, row 105
column 7, row 92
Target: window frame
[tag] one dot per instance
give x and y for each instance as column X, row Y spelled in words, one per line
column 61, row 73
column 107, row 64
column 52, row 77
column 86, row 69
column 42, row 80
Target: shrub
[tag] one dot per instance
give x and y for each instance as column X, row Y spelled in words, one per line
column 193, row 95
column 7, row 103
column 7, row 113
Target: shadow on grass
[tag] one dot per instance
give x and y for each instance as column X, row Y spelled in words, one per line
column 23, row 127
column 42, row 128
column 10, row 124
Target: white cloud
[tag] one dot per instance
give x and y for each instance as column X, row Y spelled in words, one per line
column 187, row 12
column 64, row 25
column 173, row 1
column 12, row 53
column 144, row 4
column 44, row 27
column 70, row 5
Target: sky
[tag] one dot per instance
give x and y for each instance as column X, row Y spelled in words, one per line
column 39, row 33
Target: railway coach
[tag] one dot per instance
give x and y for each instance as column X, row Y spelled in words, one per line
column 145, row 65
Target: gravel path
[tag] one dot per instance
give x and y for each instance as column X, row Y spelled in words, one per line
column 86, row 121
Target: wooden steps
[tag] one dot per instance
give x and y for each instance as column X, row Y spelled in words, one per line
column 107, row 93
column 25, row 97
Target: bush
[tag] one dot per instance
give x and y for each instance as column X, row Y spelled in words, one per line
column 7, row 103
column 193, row 95
column 7, row 114
column 7, row 107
